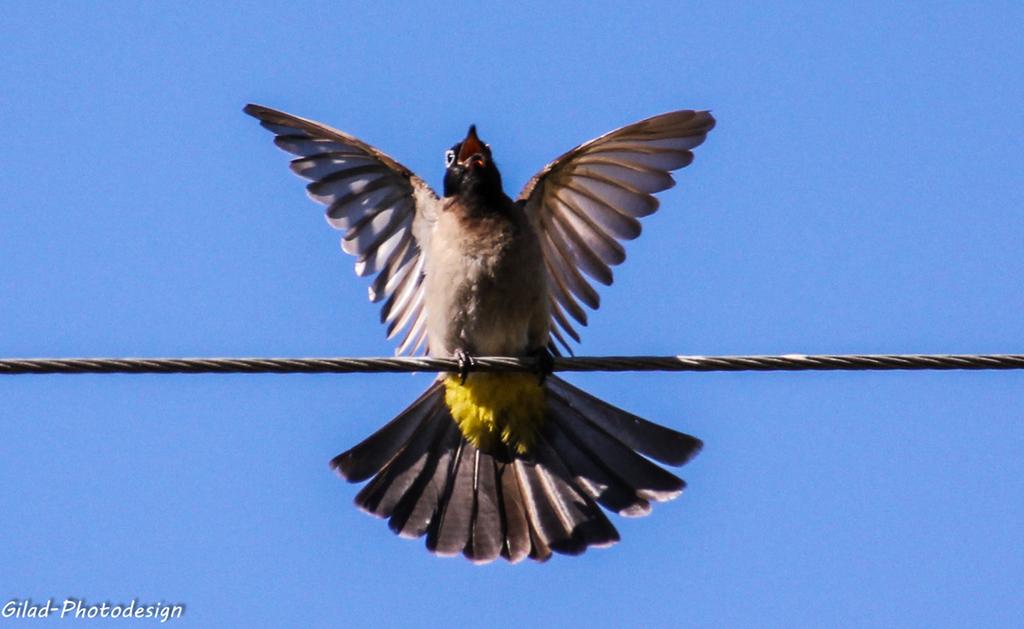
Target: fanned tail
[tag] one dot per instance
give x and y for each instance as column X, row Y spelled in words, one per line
column 428, row 479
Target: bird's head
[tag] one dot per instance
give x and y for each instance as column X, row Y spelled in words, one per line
column 469, row 168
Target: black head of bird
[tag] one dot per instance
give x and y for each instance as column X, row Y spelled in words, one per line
column 470, row 170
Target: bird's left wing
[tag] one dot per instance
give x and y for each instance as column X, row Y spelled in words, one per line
column 590, row 198
column 387, row 213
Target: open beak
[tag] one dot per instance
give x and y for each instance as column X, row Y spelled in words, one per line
column 472, row 152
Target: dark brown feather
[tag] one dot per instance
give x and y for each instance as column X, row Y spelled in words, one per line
column 449, row 533
column 518, row 542
column 373, row 453
column 380, row 496
column 413, row 514
column 553, row 507
column 582, row 519
column 487, row 531
column 658, row 442
column 651, row 481
column 592, row 475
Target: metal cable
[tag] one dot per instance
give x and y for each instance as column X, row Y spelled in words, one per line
column 788, row 362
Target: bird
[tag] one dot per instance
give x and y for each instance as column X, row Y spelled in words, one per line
column 489, row 465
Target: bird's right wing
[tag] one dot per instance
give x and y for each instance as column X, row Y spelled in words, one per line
column 387, row 213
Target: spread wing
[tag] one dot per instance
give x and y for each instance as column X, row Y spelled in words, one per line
column 385, row 210
column 589, row 199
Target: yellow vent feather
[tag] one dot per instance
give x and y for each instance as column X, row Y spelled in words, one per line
column 490, row 407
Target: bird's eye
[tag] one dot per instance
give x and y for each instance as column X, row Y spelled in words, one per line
column 449, row 158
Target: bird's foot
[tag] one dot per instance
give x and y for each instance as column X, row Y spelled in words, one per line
column 545, row 363
column 466, row 363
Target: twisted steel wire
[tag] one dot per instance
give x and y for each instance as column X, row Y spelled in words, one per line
column 787, row 362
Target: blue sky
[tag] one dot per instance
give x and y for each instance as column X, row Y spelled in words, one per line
column 861, row 193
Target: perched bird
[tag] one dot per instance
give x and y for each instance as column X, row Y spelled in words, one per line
column 488, row 464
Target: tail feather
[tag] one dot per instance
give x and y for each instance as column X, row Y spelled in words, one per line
column 487, row 536
column 370, row 456
column 539, row 518
column 415, row 511
column 649, row 481
column 658, row 442
column 517, row 530
column 450, row 531
column 387, row 488
column 488, row 501
column 583, row 522
column 593, row 477
column 561, row 517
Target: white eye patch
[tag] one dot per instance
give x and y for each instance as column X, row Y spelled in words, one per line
column 449, row 158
